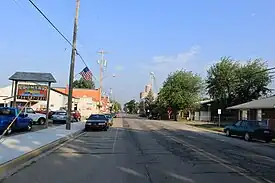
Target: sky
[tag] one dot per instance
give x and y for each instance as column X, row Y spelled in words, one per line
column 140, row 36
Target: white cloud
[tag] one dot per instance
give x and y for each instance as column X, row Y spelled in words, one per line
column 179, row 58
column 173, row 62
column 163, row 65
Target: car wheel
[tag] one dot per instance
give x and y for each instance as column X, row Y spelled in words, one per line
column 9, row 131
column 29, row 127
column 268, row 140
column 227, row 132
column 247, row 137
column 41, row 121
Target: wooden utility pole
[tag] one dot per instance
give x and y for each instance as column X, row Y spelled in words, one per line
column 101, row 65
column 71, row 77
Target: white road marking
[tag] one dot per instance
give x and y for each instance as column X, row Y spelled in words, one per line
column 114, row 143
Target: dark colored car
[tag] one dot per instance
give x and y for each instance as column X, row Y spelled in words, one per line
column 8, row 114
column 114, row 115
column 250, row 130
column 110, row 119
column 97, row 121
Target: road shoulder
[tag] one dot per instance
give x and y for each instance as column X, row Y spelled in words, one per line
column 16, row 150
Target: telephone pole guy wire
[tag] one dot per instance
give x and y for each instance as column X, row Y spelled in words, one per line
column 74, row 52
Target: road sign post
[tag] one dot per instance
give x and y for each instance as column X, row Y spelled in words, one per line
column 219, row 113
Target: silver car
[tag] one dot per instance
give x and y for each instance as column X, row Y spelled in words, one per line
column 60, row 117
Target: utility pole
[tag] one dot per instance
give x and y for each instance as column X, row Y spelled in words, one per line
column 71, row 77
column 101, row 63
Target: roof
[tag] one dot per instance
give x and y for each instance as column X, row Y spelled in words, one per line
column 33, row 76
column 60, row 92
column 82, row 92
column 206, row 101
column 266, row 103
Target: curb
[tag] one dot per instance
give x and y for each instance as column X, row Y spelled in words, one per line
column 7, row 167
column 206, row 130
column 271, row 144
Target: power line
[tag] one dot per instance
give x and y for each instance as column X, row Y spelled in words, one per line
column 269, row 69
column 60, row 33
column 64, row 37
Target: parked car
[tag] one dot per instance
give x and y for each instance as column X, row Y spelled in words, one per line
column 44, row 112
column 97, row 121
column 77, row 116
column 110, row 119
column 60, row 117
column 37, row 118
column 250, row 130
column 7, row 115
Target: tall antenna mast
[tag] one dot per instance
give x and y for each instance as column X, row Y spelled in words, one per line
column 102, row 64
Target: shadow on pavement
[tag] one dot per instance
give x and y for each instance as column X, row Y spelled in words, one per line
column 145, row 153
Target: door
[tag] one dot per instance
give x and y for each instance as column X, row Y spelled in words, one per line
column 20, row 122
column 31, row 113
column 243, row 128
column 236, row 128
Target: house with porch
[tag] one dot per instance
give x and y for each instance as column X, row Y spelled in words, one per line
column 261, row 110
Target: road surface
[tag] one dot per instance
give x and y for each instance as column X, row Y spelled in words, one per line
column 139, row 151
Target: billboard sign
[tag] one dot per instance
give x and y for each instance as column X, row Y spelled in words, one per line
column 32, row 92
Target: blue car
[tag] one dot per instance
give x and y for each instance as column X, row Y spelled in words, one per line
column 8, row 114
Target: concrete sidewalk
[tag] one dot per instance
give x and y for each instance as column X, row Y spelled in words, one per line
column 13, row 147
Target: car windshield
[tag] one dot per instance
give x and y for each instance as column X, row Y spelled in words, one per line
column 97, row 117
column 7, row 112
column 108, row 115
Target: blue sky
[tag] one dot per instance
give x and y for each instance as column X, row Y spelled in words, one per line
column 141, row 36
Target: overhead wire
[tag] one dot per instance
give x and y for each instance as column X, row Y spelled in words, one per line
column 62, row 35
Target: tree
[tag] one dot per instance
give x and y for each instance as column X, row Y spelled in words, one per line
column 222, row 80
column 141, row 106
column 231, row 83
column 131, row 107
column 82, row 83
column 253, row 81
column 116, row 107
column 180, row 91
column 149, row 101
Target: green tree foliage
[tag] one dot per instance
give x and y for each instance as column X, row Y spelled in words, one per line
column 82, row 83
column 231, row 83
column 141, row 106
column 116, row 106
column 131, row 106
column 180, row 91
column 149, row 101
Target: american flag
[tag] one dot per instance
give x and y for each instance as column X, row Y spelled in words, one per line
column 86, row 74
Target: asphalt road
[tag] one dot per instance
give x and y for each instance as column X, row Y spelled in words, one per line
column 135, row 151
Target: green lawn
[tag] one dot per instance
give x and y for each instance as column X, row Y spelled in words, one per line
column 209, row 127
column 212, row 127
